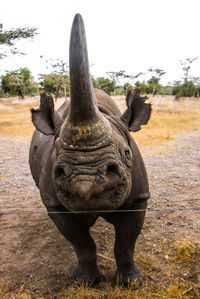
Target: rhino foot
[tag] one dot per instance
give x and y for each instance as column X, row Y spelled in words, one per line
column 86, row 277
column 128, row 278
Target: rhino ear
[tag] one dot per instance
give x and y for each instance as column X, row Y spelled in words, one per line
column 45, row 119
column 137, row 112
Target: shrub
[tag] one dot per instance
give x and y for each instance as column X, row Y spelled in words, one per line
column 105, row 84
column 19, row 83
column 187, row 89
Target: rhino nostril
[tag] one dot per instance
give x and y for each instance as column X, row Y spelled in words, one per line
column 112, row 170
column 58, row 171
column 62, row 170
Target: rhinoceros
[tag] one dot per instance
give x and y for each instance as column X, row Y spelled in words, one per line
column 86, row 165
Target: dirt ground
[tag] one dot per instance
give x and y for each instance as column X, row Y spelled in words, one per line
column 34, row 252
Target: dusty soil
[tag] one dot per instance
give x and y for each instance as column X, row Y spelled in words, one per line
column 34, row 252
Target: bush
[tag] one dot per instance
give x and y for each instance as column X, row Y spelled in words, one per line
column 187, row 89
column 19, row 83
column 105, row 84
column 56, row 84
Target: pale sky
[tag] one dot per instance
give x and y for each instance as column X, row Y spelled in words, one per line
column 125, row 35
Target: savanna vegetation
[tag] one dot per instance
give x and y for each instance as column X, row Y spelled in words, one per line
column 8, row 39
column 21, row 83
column 56, row 79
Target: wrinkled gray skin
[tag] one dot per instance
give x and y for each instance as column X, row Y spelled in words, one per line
column 83, row 158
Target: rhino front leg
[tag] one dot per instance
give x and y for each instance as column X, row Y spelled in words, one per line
column 76, row 230
column 127, row 229
column 127, row 232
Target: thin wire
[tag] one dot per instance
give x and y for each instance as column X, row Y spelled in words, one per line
column 164, row 210
column 135, row 204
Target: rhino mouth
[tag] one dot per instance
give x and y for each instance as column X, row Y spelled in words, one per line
column 109, row 199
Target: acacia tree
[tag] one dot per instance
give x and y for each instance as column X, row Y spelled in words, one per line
column 131, row 81
column 116, row 77
column 8, row 38
column 104, row 84
column 186, row 66
column 186, row 87
column 155, row 79
column 19, row 82
column 58, row 79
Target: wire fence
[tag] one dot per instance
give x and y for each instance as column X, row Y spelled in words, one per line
column 162, row 210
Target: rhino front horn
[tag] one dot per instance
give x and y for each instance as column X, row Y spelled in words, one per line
column 83, row 103
column 85, row 123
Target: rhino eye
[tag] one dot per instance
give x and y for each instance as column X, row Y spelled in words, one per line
column 127, row 153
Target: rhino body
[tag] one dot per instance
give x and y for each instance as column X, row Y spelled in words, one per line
column 83, row 159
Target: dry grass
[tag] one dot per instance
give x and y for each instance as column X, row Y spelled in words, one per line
column 15, row 120
column 164, row 126
column 168, row 118
column 176, row 276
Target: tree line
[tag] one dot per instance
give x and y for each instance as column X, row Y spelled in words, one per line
column 56, row 81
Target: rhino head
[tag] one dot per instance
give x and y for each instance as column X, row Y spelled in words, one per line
column 92, row 160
